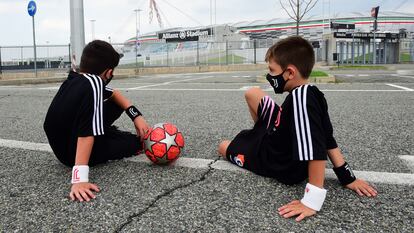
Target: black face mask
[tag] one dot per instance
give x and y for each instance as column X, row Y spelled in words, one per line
column 108, row 80
column 277, row 82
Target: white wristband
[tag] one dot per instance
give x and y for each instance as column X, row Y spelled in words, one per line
column 313, row 197
column 80, row 173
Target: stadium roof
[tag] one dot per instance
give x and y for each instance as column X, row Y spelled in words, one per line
column 320, row 17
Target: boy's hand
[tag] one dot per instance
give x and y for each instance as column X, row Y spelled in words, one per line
column 141, row 126
column 83, row 191
column 296, row 208
column 362, row 188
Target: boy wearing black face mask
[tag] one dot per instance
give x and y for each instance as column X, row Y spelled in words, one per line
column 79, row 121
column 291, row 142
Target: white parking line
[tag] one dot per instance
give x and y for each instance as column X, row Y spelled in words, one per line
column 267, row 90
column 197, row 163
column 401, row 87
column 409, row 160
column 244, row 88
column 166, row 83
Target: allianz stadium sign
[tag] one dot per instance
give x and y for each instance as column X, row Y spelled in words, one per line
column 186, row 35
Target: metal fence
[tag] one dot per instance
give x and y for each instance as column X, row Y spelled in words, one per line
column 22, row 58
column 370, row 52
column 198, row 53
column 146, row 55
column 194, row 53
column 406, row 54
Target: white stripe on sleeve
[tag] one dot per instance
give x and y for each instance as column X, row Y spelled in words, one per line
column 302, row 126
column 97, row 123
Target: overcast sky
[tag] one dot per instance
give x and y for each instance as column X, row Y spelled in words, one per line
column 115, row 18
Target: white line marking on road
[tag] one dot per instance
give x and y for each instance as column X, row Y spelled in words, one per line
column 166, row 83
column 246, row 76
column 197, row 163
column 401, row 87
column 268, row 89
column 48, row 88
column 247, row 87
column 409, row 160
column 25, row 145
column 145, row 88
column 402, row 76
column 405, row 76
column 364, row 75
column 235, row 76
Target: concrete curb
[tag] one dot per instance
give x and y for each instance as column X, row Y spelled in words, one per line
column 33, row 81
column 405, row 72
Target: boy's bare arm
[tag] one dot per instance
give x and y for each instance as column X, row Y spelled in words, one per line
column 359, row 186
column 314, row 194
column 81, row 188
column 141, row 125
column 83, row 150
column 336, row 157
column 316, row 171
column 120, row 100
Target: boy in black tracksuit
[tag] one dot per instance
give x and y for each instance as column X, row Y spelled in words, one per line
column 79, row 121
column 291, row 142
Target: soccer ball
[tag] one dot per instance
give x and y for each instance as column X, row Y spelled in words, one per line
column 163, row 143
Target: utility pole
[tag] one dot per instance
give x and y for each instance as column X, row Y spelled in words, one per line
column 77, row 31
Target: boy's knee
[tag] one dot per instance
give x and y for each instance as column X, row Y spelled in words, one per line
column 222, row 148
column 253, row 92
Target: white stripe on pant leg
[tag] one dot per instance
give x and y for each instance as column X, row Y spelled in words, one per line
column 271, row 112
column 265, row 107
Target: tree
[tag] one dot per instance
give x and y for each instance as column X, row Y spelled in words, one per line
column 299, row 8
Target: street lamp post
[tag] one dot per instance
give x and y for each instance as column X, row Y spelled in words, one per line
column 48, row 59
column 137, row 27
column 93, row 28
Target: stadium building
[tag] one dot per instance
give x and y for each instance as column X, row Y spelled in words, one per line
column 360, row 42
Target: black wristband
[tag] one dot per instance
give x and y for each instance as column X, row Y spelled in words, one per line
column 133, row 112
column 344, row 174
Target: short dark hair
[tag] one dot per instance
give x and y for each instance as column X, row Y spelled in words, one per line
column 97, row 56
column 293, row 50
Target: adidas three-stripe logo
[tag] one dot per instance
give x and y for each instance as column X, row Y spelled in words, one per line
column 302, row 127
column 97, row 120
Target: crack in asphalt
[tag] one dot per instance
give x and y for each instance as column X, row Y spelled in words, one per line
column 2, row 97
column 166, row 193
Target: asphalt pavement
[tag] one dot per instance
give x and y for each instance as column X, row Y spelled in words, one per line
column 372, row 114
